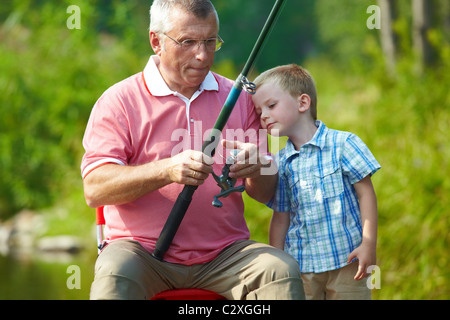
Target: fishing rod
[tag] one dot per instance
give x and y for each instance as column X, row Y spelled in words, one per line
column 210, row 144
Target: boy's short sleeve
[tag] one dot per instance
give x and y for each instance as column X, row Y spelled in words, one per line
column 358, row 161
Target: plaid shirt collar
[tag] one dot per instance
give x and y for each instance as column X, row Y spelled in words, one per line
column 318, row 140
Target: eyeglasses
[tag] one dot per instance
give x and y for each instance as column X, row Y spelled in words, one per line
column 211, row 45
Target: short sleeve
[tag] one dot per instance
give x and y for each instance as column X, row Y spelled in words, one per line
column 107, row 138
column 358, row 161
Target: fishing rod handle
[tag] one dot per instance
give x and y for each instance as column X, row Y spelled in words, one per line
column 173, row 222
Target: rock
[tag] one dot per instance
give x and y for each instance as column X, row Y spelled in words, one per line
column 26, row 227
column 23, row 236
column 5, row 235
column 69, row 244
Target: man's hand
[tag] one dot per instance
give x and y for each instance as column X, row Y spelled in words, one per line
column 190, row 168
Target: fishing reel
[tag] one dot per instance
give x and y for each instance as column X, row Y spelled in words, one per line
column 226, row 183
column 247, row 85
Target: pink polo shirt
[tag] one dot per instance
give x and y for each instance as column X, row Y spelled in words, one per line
column 141, row 120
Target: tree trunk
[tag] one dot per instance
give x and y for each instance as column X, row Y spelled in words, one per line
column 388, row 38
column 421, row 25
column 444, row 5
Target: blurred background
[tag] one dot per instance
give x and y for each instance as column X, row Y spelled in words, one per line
column 390, row 86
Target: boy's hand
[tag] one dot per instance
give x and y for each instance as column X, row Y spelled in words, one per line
column 248, row 162
column 366, row 257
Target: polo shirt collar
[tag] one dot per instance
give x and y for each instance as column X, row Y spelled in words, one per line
column 318, row 140
column 158, row 87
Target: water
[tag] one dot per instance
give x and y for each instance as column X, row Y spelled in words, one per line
column 47, row 277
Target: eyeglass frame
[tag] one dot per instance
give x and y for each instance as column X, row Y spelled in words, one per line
column 198, row 42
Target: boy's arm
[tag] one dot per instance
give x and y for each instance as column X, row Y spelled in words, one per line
column 366, row 253
column 279, row 227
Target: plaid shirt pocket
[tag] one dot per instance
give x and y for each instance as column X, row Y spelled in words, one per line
column 329, row 181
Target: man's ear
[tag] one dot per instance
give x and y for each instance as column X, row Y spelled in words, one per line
column 304, row 102
column 155, row 42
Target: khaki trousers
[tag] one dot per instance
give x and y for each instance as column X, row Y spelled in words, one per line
column 245, row 270
column 336, row 285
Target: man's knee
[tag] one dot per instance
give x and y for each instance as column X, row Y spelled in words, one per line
column 114, row 287
column 276, row 275
column 281, row 265
column 121, row 260
column 118, row 275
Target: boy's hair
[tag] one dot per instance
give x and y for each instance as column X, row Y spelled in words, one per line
column 293, row 79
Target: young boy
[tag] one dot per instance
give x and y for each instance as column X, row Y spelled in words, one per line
column 325, row 208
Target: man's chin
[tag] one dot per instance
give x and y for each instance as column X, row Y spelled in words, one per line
column 197, row 74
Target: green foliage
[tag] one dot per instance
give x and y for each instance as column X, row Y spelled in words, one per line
column 405, row 123
column 343, row 31
column 293, row 38
column 50, row 77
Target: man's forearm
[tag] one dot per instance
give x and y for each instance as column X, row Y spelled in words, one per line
column 115, row 185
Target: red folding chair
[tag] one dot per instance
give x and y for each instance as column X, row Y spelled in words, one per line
column 188, row 294
column 99, row 222
column 175, row 294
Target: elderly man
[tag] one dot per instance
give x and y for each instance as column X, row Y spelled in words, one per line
column 135, row 166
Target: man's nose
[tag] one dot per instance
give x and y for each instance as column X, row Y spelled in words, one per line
column 201, row 52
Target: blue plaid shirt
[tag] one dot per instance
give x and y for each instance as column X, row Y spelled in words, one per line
column 316, row 187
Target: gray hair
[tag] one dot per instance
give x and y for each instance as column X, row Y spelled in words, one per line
column 161, row 9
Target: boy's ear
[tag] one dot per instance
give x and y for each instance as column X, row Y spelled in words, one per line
column 304, row 102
